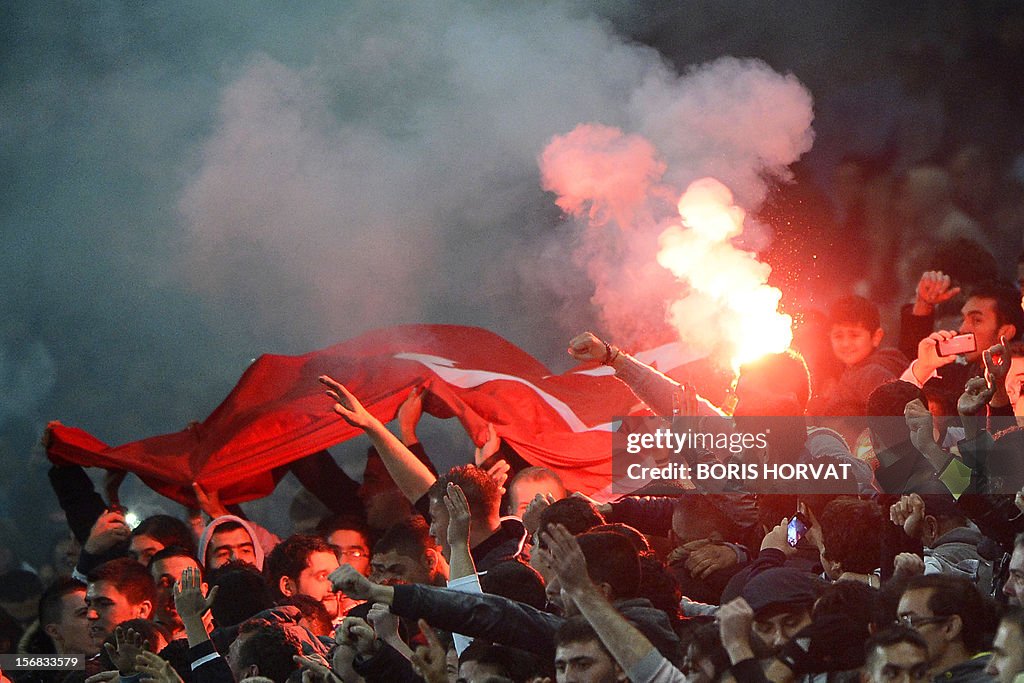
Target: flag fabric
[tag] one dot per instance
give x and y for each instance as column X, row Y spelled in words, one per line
column 278, row 412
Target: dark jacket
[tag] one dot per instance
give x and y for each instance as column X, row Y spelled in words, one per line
column 207, row 664
column 507, row 622
column 503, row 545
column 858, row 381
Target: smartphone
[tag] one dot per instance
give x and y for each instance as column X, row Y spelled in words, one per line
column 958, row 345
column 798, row 526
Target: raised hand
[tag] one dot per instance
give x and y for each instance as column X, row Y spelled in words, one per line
column 189, row 599
column 919, row 422
column 430, row 660
column 315, row 670
column 109, row 529
column 409, row 414
column 385, row 624
column 350, row 582
column 587, row 347
column 734, row 621
column 997, row 370
column 777, row 538
column 356, row 634
column 908, row 512
column 977, row 394
column 459, row 516
column 209, row 501
column 933, row 288
column 346, row 405
column 112, row 480
column 563, row 554
column 532, row 513
column 489, row 447
column 908, row 564
column 126, row 647
column 928, row 358
column 155, row 668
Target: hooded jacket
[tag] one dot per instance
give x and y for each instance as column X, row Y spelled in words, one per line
column 262, row 540
column 956, row 553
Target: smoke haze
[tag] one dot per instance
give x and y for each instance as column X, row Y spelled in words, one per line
column 188, row 185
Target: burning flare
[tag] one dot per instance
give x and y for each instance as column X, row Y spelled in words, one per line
column 729, row 299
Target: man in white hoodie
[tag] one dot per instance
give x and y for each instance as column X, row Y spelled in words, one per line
column 228, row 538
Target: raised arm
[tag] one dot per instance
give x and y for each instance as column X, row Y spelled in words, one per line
column 624, row 642
column 663, row 394
column 412, row 476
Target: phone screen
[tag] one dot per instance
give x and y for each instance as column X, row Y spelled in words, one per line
column 796, row 530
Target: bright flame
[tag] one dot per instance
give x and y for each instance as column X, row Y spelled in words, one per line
column 729, row 297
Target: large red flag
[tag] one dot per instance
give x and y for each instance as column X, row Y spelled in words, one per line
column 278, row 413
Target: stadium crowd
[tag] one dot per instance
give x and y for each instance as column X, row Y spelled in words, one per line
column 497, row 573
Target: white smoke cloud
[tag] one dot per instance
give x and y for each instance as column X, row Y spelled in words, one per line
column 737, row 121
column 393, row 177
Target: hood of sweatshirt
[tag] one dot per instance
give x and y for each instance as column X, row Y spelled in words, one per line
column 211, row 528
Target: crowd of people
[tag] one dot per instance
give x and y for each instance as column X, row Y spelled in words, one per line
column 497, row 573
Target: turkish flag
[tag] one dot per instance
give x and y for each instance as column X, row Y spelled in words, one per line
column 278, row 413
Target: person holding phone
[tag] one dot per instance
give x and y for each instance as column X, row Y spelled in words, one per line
column 992, row 312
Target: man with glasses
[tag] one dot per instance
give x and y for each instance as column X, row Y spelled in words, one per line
column 896, row 655
column 954, row 621
column 349, row 538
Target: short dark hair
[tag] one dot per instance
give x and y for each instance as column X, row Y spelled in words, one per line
column 290, row 557
column 168, row 530
column 854, row 310
column 856, row 601
column 513, row 663
column 128, row 576
column 515, row 580
column 851, row 530
column 1007, row 300
column 242, row 592
column 410, row 538
column 482, row 494
column 613, row 560
column 958, row 596
column 270, row 647
column 51, row 608
column 888, row 402
column 173, row 551
column 575, row 514
column 893, row 635
column 577, row 629
column 329, row 525
column 635, row 537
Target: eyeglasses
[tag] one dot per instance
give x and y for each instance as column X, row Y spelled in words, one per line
column 915, row 622
column 349, row 552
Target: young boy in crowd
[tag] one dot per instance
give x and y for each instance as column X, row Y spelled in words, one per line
column 856, row 335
